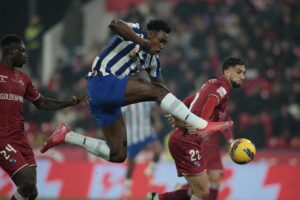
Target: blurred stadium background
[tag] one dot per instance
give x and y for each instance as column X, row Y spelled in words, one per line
column 64, row 36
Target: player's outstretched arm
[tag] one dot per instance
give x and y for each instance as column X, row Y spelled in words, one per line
column 120, row 27
column 52, row 104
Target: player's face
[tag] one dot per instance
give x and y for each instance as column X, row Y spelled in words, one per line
column 18, row 55
column 158, row 40
column 236, row 75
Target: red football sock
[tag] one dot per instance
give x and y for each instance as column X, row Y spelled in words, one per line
column 180, row 194
column 213, row 194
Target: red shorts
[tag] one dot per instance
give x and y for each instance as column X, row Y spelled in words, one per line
column 186, row 151
column 15, row 156
column 211, row 152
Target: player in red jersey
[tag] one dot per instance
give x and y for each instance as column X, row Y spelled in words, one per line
column 193, row 155
column 16, row 156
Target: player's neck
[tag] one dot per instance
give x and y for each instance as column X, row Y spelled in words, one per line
column 6, row 63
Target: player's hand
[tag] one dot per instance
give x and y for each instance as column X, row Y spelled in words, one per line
column 191, row 129
column 79, row 99
column 170, row 120
column 175, row 122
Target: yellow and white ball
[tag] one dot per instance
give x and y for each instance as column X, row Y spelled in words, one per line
column 242, row 151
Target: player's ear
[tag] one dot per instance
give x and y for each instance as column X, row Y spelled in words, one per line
column 150, row 34
column 226, row 73
column 11, row 51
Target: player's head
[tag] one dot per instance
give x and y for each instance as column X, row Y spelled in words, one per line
column 157, row 33
column 13, row 50
column 234, row 69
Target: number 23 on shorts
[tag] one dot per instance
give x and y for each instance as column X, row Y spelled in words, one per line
column 195, row 155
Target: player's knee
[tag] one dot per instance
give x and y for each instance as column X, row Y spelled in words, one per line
column 159, row 92
column 34, row 194
column 27, row 188
column 118, row 156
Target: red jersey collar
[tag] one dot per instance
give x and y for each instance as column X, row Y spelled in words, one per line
column 225, row 81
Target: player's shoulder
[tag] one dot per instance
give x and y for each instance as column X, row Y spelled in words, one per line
column 214, row 83
column 218, row 86
column 23, row 75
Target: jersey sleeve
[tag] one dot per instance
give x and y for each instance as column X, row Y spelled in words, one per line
column 31, row 93
column 155, row 70
column 217, row 91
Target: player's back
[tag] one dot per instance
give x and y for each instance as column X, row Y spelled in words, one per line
column 220, row 89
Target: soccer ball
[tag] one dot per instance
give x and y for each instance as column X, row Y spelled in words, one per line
column 242, row 151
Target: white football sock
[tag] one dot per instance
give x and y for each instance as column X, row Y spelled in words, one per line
column 195, row 198
column 175, row 107
column 18, row 196
column 95, row 146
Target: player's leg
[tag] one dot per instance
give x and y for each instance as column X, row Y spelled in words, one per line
column 212, row 156
column 25, row 180
column 106, row 95
column 138, row 90
column 215, row 177
column 128, row 176
column 199, row 185
column 19, row 163
column 156, row 147
column 113, row 149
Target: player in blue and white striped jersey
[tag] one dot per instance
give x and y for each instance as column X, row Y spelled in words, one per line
column 112, row 84
column 142, row 123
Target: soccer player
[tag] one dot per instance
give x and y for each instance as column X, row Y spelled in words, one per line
column 16, row 155
column 142, row 123
column 112, row 84
column 190, row 152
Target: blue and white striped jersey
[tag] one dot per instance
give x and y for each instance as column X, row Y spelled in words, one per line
column 115, row 58
column 138, row 121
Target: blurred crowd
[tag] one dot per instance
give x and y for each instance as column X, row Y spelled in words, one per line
column 265, row 33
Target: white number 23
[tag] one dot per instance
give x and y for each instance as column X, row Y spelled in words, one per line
column 195, row 155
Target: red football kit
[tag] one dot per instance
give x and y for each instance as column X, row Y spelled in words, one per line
column 193, row 154
column 15, row 152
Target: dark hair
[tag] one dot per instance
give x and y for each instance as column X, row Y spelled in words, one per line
column 8, row 40
column 232, row 61
column 158, row 25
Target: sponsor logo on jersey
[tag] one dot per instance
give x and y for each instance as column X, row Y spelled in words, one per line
column 11, row 97
column 21, row 83
column 221, row 91
column 3, row 78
